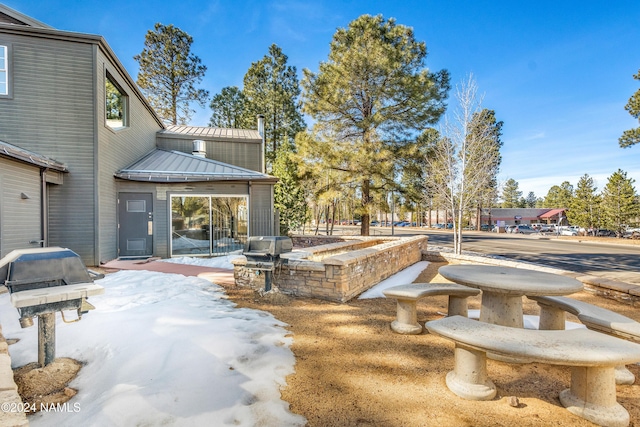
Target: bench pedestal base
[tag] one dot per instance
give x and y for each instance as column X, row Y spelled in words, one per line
column 469, row 379
column 592, row 396
column 407, row 314
column 553, row 318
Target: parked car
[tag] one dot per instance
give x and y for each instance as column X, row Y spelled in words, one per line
column 509, row 228
column 568, row 231
column 605, row 233
column 523, row 229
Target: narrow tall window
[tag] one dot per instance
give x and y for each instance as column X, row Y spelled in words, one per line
column 116, row 105
column 4, row 71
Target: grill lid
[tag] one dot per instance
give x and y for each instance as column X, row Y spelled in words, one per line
column 267, row 245
column 26, row 269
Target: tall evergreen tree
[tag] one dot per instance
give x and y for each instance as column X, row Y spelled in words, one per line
column 229, row 110
column 632, row 136
column 271, row 88
column 584, row 208
column 511, row 194
column 620, row 206
column 559, row 196
column 169, row 72
column 370, row 96
column 531, row 200
column 289, row 194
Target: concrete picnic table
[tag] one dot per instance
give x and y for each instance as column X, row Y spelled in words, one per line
column 503, row 288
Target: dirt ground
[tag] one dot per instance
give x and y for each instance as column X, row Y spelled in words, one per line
column 351, row 370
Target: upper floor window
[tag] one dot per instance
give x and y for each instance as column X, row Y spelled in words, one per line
column 116, row 105
column 4, row 70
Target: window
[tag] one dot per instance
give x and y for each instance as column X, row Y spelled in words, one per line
column 115, row 104
column 4, row 70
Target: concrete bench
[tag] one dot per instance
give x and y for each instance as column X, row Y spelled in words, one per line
column 591, row 355
column 552, row 317
column 408, row 296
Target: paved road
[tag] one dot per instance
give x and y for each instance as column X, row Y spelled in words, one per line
column 614, row 261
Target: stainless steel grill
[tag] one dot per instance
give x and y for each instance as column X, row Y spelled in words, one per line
column 43, row 281
column 263, row 254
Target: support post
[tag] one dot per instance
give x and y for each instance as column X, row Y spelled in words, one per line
column 46, row 338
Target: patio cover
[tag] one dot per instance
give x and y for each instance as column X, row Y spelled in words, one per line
column 176, row 166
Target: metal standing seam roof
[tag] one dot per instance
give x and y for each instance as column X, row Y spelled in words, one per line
column 176, row 166
column 213, row 133
column 27, row 156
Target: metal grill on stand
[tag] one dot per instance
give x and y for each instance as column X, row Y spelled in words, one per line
column 263, row 255
column 43, row 281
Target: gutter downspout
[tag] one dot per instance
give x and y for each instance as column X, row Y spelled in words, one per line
column 44, row 207
column 263, row 156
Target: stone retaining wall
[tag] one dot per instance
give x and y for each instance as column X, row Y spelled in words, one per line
column 9, row 391
column 339, row 277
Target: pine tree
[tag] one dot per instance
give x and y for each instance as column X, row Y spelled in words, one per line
column 620, row 206
column 584, row 208
column 271, row 88
column 230, row 110
column 289, row 195
column 632, row 136
column 531, row 200
column 559, row 196
column 168, row 73
column 370, row 96
column 511, row 194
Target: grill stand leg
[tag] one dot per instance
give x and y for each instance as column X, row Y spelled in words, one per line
column 46, row 338
column 267, row 280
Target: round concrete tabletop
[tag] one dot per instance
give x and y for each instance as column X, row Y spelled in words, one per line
column 509, row 280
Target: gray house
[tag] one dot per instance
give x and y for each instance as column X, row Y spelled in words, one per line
column 85, row 163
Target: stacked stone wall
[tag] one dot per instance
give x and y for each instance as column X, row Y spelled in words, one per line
column 340, row 277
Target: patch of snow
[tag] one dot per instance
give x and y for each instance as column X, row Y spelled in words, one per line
column 404, row 277
column 165, row 349
column 214, row 262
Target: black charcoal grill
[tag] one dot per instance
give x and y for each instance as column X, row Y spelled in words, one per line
column 43, row 281
column 263, row 255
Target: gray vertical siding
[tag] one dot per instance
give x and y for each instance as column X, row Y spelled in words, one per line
column 116, row 150
column 52, row 113
column 19, row 218
column 239, row 153
column 261, row 210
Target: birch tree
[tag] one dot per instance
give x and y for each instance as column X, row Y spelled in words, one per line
column 466, row 158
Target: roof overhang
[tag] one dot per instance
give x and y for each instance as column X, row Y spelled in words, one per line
column 26, row 156
column 162, row 166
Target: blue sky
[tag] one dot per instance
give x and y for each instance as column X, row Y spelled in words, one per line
column 557, row 73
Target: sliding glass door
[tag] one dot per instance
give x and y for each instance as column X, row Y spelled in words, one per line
column 208, row 225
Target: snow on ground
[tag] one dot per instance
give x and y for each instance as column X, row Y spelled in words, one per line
column 404, row 277
column 165, row 349
column 215, row 262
